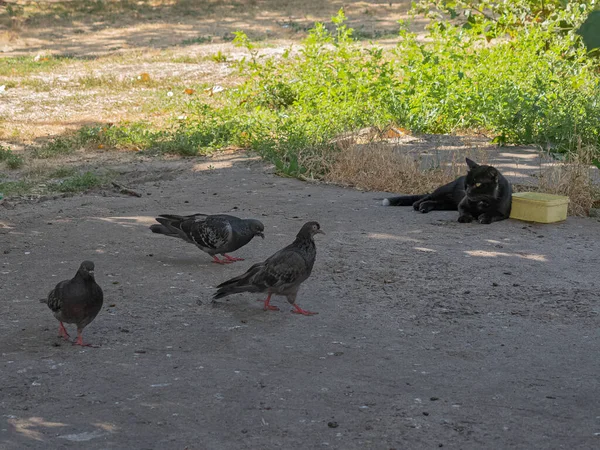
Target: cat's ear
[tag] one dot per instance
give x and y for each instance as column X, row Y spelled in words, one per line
column 494, row 175
column 471, row 164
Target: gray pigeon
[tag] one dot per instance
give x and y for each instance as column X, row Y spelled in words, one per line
column 217, row 234
column 77, row 301
column 281, row 274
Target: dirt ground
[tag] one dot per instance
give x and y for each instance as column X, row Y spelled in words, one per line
column 430, row 333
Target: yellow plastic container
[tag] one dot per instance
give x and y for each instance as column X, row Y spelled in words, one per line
column 539, row 207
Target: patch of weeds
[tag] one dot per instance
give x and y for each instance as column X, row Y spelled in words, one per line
column 56, row 147
column 197, row 40
column 12, row 161
column 129, row 136
column 219, row 57
column 62, row 172
column 116, row 82
column 78, row 183
column 20, row 187
column 25, row 65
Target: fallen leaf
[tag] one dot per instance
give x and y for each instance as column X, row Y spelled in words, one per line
column 144, row 77
column 189, row 91
column 394, row 133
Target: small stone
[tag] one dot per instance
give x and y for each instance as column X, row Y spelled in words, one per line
column 150, row 254
column 332, row 424
column 433, row 399
column 495, row 284
column 425, row 413
column 124, row 330
column 187, row 201
column 139, row 351
column 199, row 302
column 243, row 321
column 507, row 273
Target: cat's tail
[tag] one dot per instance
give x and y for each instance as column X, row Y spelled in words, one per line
column 404, row 200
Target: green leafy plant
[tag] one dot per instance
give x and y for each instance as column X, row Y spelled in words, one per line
column 12, row 161
column 517, row 71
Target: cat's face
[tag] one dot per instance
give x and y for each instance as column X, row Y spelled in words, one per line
column 481, row 182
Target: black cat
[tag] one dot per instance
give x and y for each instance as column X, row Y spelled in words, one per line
column 483, row 194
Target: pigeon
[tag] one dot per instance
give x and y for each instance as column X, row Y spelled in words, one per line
column 281, row 274
column 77, row 301
column 216, row 234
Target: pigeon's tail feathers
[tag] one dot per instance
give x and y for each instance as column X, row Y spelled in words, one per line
column 404, row 200
column 167, row 230
column 170, row 218
column 177, row 218
column 241, row 283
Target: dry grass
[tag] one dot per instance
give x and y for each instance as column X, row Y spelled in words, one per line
column 379, row 166
column 573, row 179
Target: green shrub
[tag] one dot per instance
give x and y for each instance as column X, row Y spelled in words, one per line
column 12, row 161
column 516, row 70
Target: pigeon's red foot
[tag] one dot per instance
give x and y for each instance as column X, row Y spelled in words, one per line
column 232, row 258
column 298, row 310
column 267, row 306
column 79, row 341
column 218, row 261
column 62, row 332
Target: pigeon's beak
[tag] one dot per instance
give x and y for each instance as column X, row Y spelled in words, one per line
column 91, row 272
column 319, row 232
column 260, row 234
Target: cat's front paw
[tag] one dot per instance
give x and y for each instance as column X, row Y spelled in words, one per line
column 465, row 218
column 484, row 218
column 416, row 205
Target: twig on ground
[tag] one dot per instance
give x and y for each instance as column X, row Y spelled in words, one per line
column 125, row 190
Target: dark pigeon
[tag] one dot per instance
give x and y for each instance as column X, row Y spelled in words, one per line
column 77, row 301
column 216, row 235
column 282, row 273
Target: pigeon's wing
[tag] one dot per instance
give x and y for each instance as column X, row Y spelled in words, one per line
column 97, row 293
column 284, row 269
column 211, row 233
column 56, row 296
